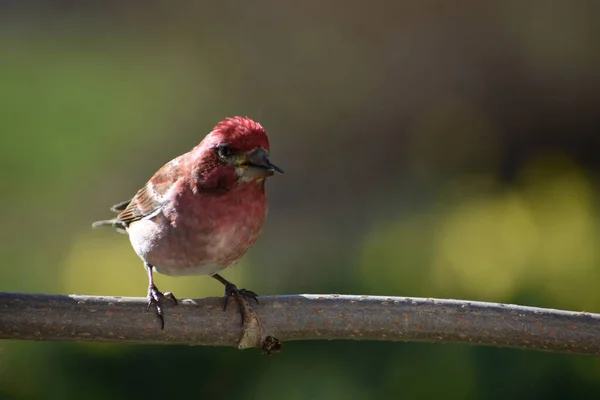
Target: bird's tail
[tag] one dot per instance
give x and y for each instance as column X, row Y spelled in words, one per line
column 115, row 223
column 108, row 222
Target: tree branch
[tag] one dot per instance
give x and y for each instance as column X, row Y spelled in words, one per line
column 299, row 317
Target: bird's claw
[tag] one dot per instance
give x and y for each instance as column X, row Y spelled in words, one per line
column 232, row 291
column 156, row 298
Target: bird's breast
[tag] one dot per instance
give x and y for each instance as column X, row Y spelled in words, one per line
column 200, row 236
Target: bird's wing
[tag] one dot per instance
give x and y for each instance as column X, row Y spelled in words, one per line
column 150, row 199
column 143, row 204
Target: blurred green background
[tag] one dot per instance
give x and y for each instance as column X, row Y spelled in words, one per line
column 431, row 148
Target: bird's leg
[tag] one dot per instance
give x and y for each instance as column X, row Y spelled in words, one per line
column 232, row 291
column 252, row 332
column 156, row 297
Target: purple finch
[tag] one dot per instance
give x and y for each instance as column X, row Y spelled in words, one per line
column 202, row 211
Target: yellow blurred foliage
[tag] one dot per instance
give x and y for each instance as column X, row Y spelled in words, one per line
column 482, row 246
column 565, row 266
column 396, row 255
column 492, row 243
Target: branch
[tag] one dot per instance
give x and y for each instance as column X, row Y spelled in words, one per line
column 299, row 317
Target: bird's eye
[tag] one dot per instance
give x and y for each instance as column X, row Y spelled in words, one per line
column 224, row 151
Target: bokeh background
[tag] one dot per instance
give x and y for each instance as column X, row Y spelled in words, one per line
column 431, row 148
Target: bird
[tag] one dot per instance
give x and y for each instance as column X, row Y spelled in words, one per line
column 202, row 211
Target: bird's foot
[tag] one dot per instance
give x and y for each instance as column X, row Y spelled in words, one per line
column 157, row 298
column 239, row 294
column 242, row 297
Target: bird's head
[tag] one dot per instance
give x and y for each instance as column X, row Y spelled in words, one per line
column 239, row 146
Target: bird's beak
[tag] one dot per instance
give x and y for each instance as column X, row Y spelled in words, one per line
column 256, row 165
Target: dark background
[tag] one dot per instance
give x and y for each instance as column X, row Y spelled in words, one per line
column 431, row 148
